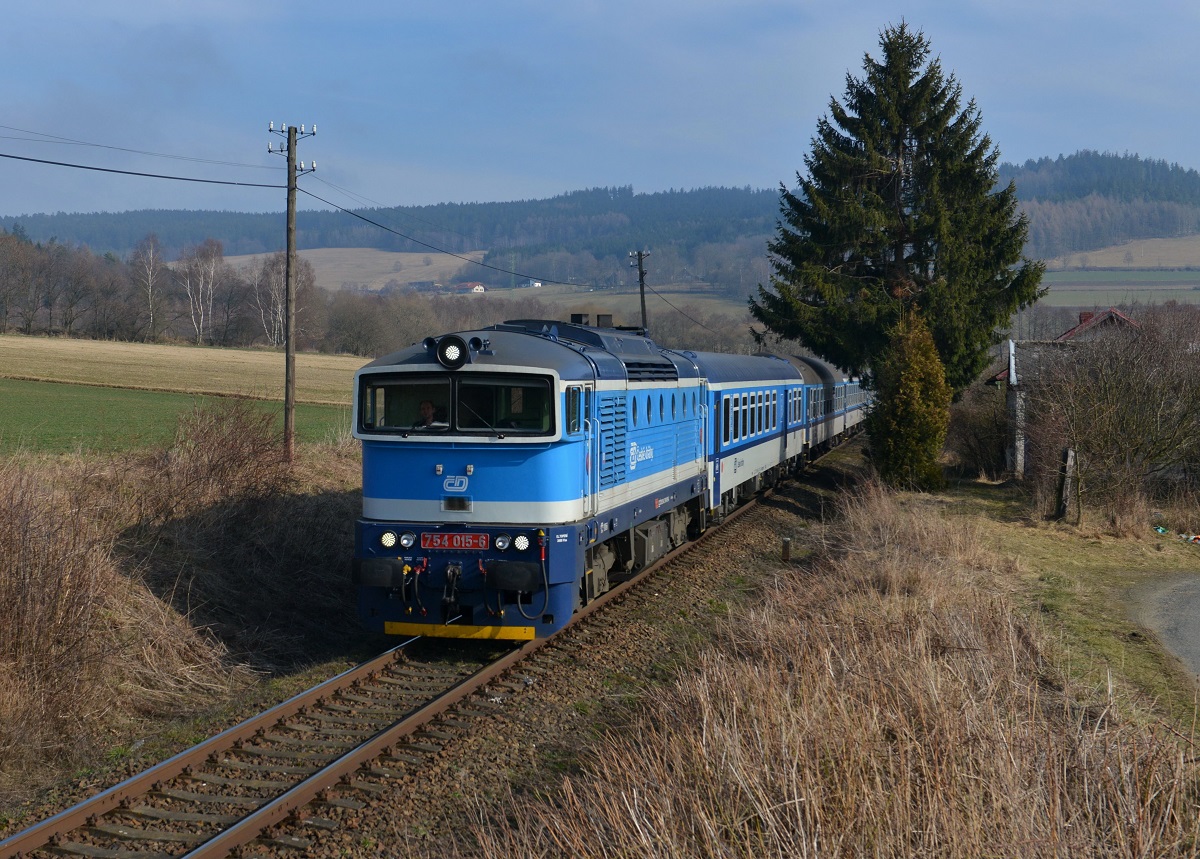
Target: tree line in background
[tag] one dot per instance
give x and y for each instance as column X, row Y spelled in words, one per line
column 1093, row 200
column 199, row 297
column 717, row 236
column 56, row 288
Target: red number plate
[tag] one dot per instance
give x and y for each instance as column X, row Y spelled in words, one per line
column 454, row 541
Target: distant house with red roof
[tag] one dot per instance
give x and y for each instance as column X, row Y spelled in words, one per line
column 1024, row 367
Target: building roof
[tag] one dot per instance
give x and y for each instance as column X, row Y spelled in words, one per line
column 1091, row 324
column 1089, row 321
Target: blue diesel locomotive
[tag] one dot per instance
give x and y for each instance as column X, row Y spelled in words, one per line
column 512, row 474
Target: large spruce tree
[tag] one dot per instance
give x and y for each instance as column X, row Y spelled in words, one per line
column 900, row 207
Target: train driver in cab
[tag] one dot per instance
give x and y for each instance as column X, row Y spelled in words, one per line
column 428, row 416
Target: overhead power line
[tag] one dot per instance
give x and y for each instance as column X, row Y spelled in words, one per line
column 138, row 173
column 417, row 241
column 43, row 137
column 333, row 205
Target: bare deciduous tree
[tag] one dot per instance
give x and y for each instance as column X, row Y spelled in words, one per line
column 198, row 273
column 149, row 266
column 268, row 294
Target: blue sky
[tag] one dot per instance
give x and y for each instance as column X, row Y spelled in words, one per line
column 422, row 102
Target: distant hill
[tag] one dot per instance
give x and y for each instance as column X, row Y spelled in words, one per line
column 715, row 236
column 598, row 220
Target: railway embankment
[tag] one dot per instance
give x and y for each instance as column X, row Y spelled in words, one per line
column 913, row 649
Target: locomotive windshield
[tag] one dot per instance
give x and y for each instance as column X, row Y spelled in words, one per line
column 469, row 404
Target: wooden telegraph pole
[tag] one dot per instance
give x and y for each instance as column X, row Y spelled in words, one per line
column 294, row 169
column 641, row 267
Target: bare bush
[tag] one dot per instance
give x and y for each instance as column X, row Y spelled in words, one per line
column 907, row 712
column 91, row 631
column 215, row 536
column 51, row 586
column 1128, row 405
column 80, row 644
column 226, row 448
column 978, row 432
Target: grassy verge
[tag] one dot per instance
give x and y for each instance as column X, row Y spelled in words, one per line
column 944, row 677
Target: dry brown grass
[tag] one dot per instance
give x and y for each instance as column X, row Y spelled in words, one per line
column 157, row 583
column 1178, row 252
column 375, row 268
column 189, row 369
column 885, row 702
column 81, row 644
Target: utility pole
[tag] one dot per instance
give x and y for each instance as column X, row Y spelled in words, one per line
column 294, row 169
column 641, row 257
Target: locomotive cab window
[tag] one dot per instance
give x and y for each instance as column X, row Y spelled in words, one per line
column 574, row 409
column 417, row 403
column 420, row 404
column 503, row 404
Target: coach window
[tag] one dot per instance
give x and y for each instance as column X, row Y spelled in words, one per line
column 725, row 419
column 774, row 409
column 737, row 418
column 672, row 407
column 662, row 415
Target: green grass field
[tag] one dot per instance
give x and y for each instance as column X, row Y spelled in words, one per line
column 1111, row 287
column 53, row 417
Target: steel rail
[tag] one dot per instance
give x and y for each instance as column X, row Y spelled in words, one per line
column 286, row 805
column 276, row 811
column 41, row 834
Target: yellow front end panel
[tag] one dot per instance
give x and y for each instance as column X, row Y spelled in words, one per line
column 432, row 630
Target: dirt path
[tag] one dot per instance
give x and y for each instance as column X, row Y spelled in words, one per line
column 1170, row 607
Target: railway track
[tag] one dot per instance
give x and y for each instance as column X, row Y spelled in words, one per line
column 266, row 781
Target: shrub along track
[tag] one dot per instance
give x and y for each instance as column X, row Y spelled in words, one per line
column 405, row 748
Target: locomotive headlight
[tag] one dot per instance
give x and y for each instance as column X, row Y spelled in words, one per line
column 452, row 352
column 503, row 541
column 407, row 539
column 387, row 539
column 521, row 542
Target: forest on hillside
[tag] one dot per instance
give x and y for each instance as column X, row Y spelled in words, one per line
column 712, row 237
column 1093, row 200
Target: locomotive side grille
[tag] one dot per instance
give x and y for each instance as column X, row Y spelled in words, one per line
column 612, row 441
column 646, row 371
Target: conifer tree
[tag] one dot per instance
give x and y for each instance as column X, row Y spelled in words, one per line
column 899, row 208
column 908, row 424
